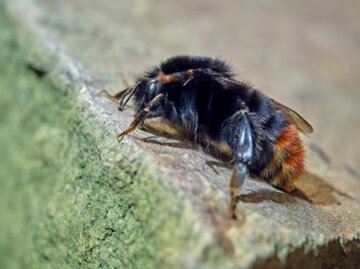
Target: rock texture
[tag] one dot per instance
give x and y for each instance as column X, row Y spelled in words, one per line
column 72, row 197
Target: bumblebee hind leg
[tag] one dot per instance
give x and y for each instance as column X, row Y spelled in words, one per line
column 240, row 172
column 239, row 134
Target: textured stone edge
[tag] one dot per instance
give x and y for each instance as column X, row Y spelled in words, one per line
column 68, row 75
column 46, row 54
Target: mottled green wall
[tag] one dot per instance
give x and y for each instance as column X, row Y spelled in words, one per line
column 33, row 146
column 72, row 197
column 62, row 205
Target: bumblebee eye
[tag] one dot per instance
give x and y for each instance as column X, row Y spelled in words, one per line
column 152, row 86
column 152, row 89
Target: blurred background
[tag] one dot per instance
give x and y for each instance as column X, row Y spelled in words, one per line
column 304, row 54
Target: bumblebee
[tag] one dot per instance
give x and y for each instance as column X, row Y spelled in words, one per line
column 257, row 135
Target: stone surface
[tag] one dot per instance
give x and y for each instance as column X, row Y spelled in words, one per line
column 73, row 197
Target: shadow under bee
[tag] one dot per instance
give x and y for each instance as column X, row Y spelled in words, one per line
column 153, row 140
column 310, row 187
column 268, row 195
column 318, row 191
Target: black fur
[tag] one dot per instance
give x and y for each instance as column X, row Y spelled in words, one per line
column 185, row 62
column 230, row 119
column 205, row 105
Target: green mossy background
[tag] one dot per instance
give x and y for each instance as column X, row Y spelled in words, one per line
column 61, row 204
column 33, row 146
column 52, row 214
column 72, row 197
column 54, row 201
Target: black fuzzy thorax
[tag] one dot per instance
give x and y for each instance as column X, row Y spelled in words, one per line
column 205, row 108
column 185, row 62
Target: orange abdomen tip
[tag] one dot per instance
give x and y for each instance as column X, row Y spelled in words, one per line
column 288, row 159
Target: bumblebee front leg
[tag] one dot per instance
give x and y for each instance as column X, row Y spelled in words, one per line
column 120, row 97
column 142, row 115
column 114, row 98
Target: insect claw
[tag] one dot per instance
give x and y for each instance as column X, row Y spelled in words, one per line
column 134, row 124
column 120, row 136
column 107, row 95
column 233, row 214
column 233, row 209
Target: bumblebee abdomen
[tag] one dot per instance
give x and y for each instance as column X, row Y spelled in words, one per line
column 287, row 163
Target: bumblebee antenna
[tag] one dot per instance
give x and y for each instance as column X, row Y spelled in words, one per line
column 129, row 94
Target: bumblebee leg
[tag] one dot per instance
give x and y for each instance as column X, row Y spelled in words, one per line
column 240, row 172
column 120, row 97
column 129, row 92
column 216, row 165
column 239, row 133
column 141, row 116
column 115, row 98
column 185, row 77
column 182, row 77
column 213, row 165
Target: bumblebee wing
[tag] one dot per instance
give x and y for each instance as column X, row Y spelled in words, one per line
column 294, row 117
